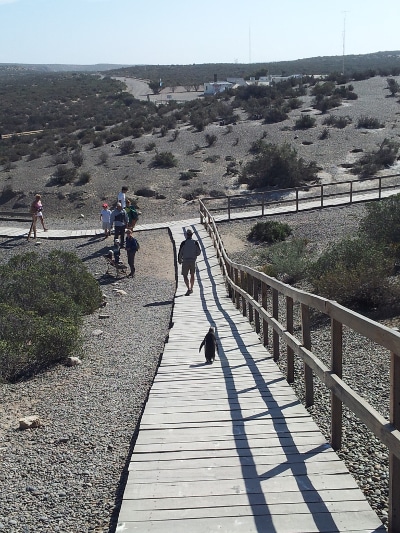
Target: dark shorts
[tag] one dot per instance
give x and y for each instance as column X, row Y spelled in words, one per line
column 188, row 266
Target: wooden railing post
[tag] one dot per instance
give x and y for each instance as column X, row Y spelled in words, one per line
column 336, row 366
column 380, row 187
column 229, row 208
column 256, row 288
column 289, row 351
column 394, row 462
column 275, row 314
column 306, row 334
column 263, row 205
column 351, row 192
column 297, row 199
column 237, row 295
column 264, row 303
column 250, row 284
column 322, row 195
column 243, row 285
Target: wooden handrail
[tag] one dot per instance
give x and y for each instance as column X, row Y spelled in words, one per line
column 240, row 281
column 349, row 189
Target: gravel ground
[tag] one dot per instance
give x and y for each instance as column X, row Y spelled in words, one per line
column 365, row 365
column 67, row 475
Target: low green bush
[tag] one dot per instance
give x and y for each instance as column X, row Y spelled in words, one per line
column 355, row 272
column 305, row 122
column 369, row 123
column 381, row 223
column 275, row 115
column 63, row 175
column 164, row 160
column 270, row 231
column 278, row 166
column 287, row 260
column 43, row 301
column 84, row 178
column 126, row 147
column 370, row 163
column 211, row 139
column 337, row 122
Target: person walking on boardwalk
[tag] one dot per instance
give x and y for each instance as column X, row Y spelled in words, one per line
column 119, row 219
column 36, row 213
column 122, row 196
column 132, row 212
column 131, row 246
column 105, row 218
column 210, row 345
column 189, row 251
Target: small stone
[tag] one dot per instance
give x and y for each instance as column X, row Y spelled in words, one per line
column 104, row 316
column 120, row 292
column 97, row 332
column 29, row 422
column 73, row 361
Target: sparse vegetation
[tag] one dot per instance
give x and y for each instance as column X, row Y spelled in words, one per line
column 43, row 303
column 278, row 166
column 287, row 260
column 211, row 139
column 370, row 163
column 305, row 122
column 337, row 122
column 126, row 147
column 369, row 123
column 270, row 232
column 164, row 160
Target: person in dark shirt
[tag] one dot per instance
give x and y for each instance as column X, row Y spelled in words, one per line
column 189, row 250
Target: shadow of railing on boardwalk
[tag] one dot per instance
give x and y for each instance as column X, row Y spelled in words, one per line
column 259, row 296
column 257, row 499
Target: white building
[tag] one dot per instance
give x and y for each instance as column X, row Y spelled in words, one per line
column 216, row 87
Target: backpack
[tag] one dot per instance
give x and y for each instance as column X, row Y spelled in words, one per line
column 136, row 244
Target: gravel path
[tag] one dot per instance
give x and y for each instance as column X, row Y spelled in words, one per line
column 66, row 475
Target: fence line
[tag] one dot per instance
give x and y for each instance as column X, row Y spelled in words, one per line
column 255, row 292
column 295, row 199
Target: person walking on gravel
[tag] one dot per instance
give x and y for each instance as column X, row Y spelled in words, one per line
column 119, row 219
column 189, row 251
column 36, row 213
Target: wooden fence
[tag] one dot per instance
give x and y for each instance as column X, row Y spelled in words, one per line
column 307, row 197
column 258, row 295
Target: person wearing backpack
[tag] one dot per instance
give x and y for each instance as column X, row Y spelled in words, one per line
column 131, row 246
column 132, row 212
column 189, row 251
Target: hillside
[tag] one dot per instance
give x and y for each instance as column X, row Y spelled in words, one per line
column 202, row 169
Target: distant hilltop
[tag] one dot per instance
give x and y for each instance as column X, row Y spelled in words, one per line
column 377, row 61
column 26, row 67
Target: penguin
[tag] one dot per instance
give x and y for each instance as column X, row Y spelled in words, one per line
column 210, row 345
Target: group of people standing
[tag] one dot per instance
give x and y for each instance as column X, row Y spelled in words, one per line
column 123, row 218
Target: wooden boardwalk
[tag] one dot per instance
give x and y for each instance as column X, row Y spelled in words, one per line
column 18, row 232
column 228, row 447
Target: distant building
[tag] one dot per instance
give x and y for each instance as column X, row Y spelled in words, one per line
column 216, row 87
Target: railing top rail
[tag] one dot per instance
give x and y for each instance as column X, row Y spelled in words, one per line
column 302, row 187
column 387, row 337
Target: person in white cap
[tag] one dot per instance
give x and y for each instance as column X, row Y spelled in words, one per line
column 189, row 251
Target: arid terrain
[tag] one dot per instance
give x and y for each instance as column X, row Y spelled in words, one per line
column 175, row 198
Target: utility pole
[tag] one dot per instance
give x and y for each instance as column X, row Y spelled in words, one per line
column 344, row 38
column 249, row 45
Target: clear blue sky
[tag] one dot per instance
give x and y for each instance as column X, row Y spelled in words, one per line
column 184, row 31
